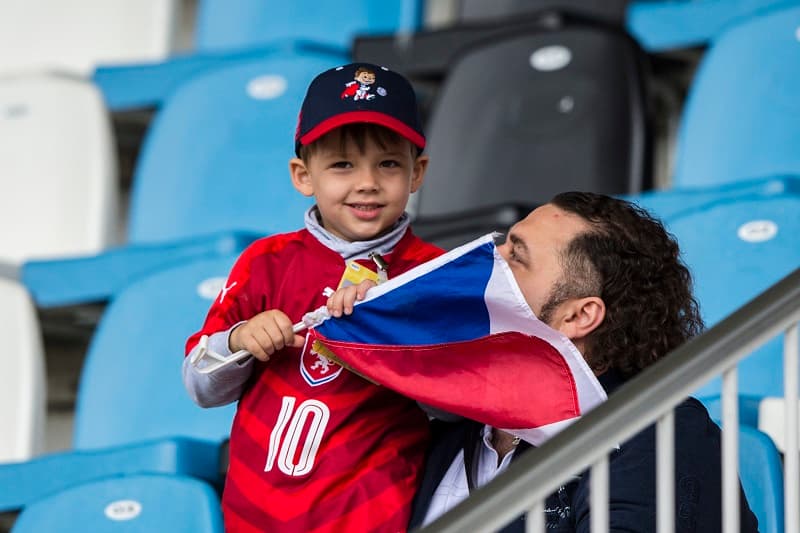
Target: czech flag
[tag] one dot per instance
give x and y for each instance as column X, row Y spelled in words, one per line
column 456, row 334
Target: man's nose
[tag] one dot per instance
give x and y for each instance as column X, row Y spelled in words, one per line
column 503, row 249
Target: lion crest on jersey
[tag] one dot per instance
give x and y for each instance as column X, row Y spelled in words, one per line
column 316, row 365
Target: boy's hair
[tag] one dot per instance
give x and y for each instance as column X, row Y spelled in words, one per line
column 334, row 99
column 359, row 133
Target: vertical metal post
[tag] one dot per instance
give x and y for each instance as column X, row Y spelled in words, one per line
column 535, row 521
column 730, row 451
column 598, row 491
column 791, row 467
column 665, row 473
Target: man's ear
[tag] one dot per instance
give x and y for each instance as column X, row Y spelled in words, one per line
column 301, row 179
column 418, row 175
column 579, row 317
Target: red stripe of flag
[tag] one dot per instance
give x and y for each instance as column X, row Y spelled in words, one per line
column 508, row 380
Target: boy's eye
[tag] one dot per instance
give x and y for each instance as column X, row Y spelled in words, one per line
column 341, row 164
column 391, row 163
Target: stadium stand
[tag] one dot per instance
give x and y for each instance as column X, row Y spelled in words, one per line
column 23, row 387
column 230, row 31
column 742, row 116
column 227, row 114
column 524, row 116
column 133, row 415
column 74, row 37
column 129, row 504
column 58, row 169
column 211, row 176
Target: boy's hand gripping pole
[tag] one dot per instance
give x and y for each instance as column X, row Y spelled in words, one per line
column 214, row 361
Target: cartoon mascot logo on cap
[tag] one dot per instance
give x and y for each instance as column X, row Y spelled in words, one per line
column 359, row 88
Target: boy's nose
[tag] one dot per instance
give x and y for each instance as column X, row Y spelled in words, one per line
column 367, row 181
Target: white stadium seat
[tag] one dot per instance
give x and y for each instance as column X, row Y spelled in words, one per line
column 58, row 175
column 22, row 379
column 75, row 36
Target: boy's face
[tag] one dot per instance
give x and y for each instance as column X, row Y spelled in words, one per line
column 359, row 195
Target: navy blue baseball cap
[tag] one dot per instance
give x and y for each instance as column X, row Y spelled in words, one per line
column 358, row 93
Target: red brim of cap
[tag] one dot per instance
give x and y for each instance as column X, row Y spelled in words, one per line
column 371, row 117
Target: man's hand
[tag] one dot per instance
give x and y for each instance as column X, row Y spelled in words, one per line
column 342, row 301
column 264, row 334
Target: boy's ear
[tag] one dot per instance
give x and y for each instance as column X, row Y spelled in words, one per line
column 418, row 175
column 300, row 176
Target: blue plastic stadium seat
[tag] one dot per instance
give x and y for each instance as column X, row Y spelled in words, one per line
column 232, row 24
column 133, row 414
column 742, row 116
column 761, row 472
column 661, row 25
column 126, row 505
column 748, row 408
column 737, row 241
column 211, row 176
column 233, row 30
column 231, row 171
column 130, row 387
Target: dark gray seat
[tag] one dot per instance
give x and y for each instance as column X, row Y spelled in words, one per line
column 525, row 116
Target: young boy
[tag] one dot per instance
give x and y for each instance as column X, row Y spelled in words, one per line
column 314, row 447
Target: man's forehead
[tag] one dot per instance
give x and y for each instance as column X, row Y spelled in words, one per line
column 549, row 220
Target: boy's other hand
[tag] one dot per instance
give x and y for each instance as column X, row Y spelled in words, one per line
column 342, row 300
column 265, row 334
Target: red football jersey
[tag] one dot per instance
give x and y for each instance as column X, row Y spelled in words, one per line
column 314, row 448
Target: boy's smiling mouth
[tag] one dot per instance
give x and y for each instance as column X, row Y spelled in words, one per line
column 364, row 210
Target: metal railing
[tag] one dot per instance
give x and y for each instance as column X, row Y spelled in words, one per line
column 649, row 398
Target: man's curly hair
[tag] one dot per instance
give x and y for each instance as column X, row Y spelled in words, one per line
column 630, row 261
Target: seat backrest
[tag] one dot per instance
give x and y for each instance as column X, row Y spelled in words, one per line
column 612, row 11
column 742, row 116
column 76, row 36
column 130, row 388
column 661, row 25
column 761, row 472
column 225, row 24
column 216, row 156
column 737, row 247
column 126, row 504
column 523, row 117
column 451, row 231
column 675, row 202
column 57, row 169
column 23, row 387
